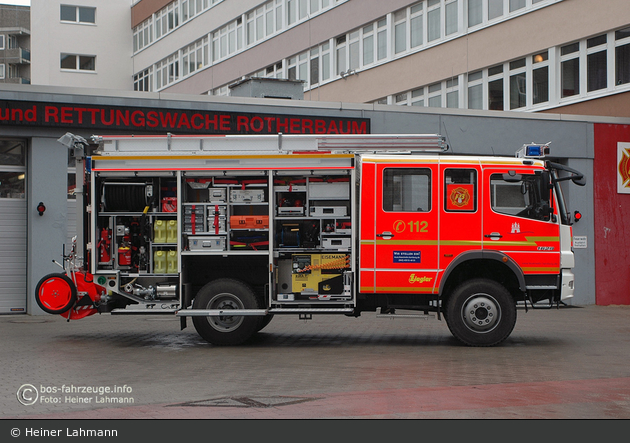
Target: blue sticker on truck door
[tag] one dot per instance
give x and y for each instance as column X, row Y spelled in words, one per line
column 406, row 256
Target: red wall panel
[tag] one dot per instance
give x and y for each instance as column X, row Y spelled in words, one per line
column 611, row 219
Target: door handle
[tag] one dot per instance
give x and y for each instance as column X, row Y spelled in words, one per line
column 493, row 236
column 386, row 235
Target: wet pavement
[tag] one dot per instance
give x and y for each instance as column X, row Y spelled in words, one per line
column 567, row 363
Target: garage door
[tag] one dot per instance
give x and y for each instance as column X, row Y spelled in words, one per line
column 12, row 227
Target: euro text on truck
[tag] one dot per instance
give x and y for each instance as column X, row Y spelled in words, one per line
column 232, row 230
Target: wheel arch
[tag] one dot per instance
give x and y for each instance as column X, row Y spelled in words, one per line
column 493, row 265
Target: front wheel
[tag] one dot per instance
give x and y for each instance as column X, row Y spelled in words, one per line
column 481, row 312
column 226, row 294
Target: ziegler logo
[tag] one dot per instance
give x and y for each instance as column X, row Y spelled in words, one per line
column 546, row 248
column 413, row 278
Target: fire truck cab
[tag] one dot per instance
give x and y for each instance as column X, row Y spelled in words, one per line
column 233, row 230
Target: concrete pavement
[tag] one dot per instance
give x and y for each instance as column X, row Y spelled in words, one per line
column 565, row 363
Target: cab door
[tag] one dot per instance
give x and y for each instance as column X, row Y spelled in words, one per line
column 520, row 219
column 460, row 211
column 406, row 227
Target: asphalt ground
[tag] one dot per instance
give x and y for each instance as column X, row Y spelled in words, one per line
column 566, row 363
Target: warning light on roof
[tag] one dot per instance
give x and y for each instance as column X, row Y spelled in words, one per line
column 533, row 150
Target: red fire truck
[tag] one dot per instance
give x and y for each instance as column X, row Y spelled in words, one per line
column 232, row 230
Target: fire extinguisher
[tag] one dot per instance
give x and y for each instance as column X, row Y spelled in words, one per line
column 104, row 246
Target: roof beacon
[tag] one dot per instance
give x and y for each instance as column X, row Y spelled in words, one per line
column 533, row 150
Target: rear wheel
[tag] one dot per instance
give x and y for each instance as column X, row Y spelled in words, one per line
column 264, row 321
column 226, row 294
column 55, row 293
column 481, row 312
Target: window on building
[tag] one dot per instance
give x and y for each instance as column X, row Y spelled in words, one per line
column 326, row 66
column 450, row 17
column 292, row 68
column 303, row 67
column 518, row 84
column 143, row 35
column 77, row 14
column 2, row 70
column 495, row 88
column 452, row 93
column 1, row 41
column 475, row 90
column 368, row 44
column 433, row 20
column 570, row 70
column 622, row 56
column 540, row 76
column 596, row 65
column 417, row 97
column 401, row 99
column 314, row 69
column 495, row 9
column 515, row 5
column 291, row 11
column 78, row 62
column 435, row 95
column 381, row 38
column 400, row 31
column 142, row 81
column 341, row 54
column 407, row 190
column 354, row 56
column 416, row 25
column 475, row 12
column 12, row 169
column 195, row 56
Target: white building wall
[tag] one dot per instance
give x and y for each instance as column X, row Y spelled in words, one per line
column 109, row 39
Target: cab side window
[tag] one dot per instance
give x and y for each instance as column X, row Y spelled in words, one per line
column 407, row 190
column 460, row 190
column 520, row 195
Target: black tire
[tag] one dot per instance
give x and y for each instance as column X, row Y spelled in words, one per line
column 481, row 312
column 264, row 321
column 55, row 293
column 226, row 294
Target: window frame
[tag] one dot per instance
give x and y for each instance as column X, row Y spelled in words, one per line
column 77, row 64
column 474, row 196
column 77, row 14
column 389, row 190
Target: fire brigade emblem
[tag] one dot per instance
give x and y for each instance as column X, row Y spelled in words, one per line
column 624, row 168
column 460, row 197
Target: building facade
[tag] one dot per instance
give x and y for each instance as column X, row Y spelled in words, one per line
column 15, row 44
column 561, row 56
column 84, row 43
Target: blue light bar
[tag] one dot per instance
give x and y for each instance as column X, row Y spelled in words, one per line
column 533, row 150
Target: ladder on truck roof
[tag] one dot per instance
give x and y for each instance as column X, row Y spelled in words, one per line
column 267, row 144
